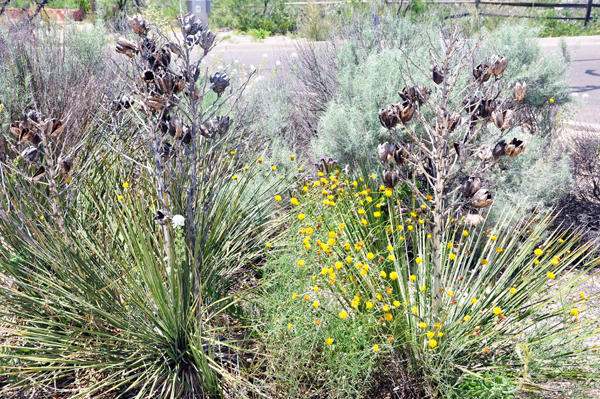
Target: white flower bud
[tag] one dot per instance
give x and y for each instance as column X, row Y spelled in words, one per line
column 178, row 221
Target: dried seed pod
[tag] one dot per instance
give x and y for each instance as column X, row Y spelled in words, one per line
column 461, row 151
column 126, row 102
column 520, row 90
column 190, row 25
column 514, row 147
column 472, row 105
column 26, row 134
column 31, row 154
column 469, row 186
column 148, row 46
column 65, row 165
column 160, row 60
column 174, row 48
column 482, row 198
column 57, row 127
column 498, row 150
column 502, row 119
column 220, row 81
column 166, row 150
column 196, row 93
column 45, row 127
column 205, row 39
column 138, row 24
column 388, row 117
column 148, row 76
column 409, row 94
column 41, row 172
column 401, row 154
column 178, row 84
column 386, row 151
column 163, row 123
column 222, row 124
column 206, row 132
column 193, row 75
column 155, row 103
column 126, row 47
column 485, row 153
column 15, row 129
column 407, row 110
column 423, row 94
column 436, row 74
column 187, row 136
column 34, row 116
column 176, row 128
column 486, row 107
column 450, row 123
column 164, row 83
column 482, row 73
column 498, row 64
column 390, row 179
column 163, row 216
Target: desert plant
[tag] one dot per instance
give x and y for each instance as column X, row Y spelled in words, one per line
column 164, row 224
column 436, row 150
column 363, row 285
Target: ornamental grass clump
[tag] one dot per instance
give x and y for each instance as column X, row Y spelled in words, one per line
column 368, row 261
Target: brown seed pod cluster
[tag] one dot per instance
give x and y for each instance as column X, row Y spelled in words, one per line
column 478, row 197
column 35, row 129
column 396, row 113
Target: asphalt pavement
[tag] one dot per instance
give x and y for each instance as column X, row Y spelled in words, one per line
column 584, row 78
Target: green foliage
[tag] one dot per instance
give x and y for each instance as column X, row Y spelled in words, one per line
column 546, row 74
column 557, row 28
column 266, row 15
column 258, row 34
column 489, row 386
column 349, row 127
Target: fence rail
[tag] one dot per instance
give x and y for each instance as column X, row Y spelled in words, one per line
column 588, row 7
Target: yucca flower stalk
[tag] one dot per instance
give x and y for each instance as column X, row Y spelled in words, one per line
column 451, row 125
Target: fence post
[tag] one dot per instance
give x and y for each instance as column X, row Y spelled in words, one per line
column 588, row 12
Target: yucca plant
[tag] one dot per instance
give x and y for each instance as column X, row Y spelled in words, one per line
column 109, row 308
column 128, row 290
column 509, row 300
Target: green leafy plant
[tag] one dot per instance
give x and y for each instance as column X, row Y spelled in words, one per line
column 126, row 270
column 364, row 268
column 258, row 34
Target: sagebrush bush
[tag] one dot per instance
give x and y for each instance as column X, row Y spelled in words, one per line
column 537, row 178
column 58, row 71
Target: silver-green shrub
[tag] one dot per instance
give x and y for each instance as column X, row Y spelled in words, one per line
column 537, row 178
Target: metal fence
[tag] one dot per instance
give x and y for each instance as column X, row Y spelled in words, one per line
column 588, row 7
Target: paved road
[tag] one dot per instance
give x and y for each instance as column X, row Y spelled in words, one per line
column 585, row 75
column 584, row 78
